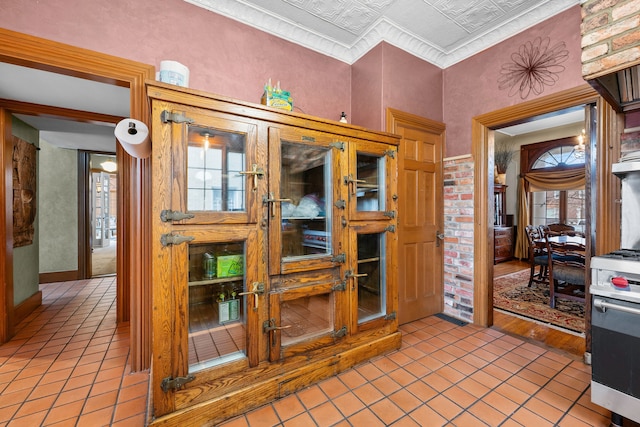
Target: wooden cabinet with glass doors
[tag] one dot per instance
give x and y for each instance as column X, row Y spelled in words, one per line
column 274, row 245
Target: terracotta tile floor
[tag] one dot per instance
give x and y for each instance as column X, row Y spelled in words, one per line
column 67, row 366
column 68, row 363
column 446, row 375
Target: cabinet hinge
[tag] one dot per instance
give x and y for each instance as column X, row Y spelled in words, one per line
column 340, row 204
column 338, row 144
column 168, row 116
column 391, row 316
column 174, row 239
column 340, row 332
column 390, row 153
column 390, row 214
column 175, row 383
column 341, row 258
column 390, row 228
column 168, row 215
column 342, row 286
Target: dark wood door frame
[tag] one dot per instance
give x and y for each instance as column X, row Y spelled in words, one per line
column 610, row 125
column 134, row 201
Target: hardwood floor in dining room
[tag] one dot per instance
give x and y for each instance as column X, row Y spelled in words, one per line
column 514, row 325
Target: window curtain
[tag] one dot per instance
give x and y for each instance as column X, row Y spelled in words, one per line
column 562, row 180
column 522, row 243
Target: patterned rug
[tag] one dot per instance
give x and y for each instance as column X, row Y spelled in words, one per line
column 511, row 293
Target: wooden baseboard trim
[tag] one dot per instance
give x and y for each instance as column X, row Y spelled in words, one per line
column 26, row 307
column 59, row 276
column 217, row 410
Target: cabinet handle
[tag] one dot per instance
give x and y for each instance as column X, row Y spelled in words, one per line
column 351, row 181
column 269, row 327
column 256, row 172
column 273, row 202
column 257, row 289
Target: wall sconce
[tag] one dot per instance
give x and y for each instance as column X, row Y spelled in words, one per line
column 109, row 166
column 580, row 147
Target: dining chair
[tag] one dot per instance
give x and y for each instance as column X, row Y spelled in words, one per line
column 566, row 271
column 557, row 227
column 538, row 256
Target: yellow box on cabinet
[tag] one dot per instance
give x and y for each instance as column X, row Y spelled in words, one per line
column 230, row 265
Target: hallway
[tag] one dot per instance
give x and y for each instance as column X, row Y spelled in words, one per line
column 67, row 366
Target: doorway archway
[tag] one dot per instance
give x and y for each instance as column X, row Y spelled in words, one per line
column 134, row 202
column 609, row 127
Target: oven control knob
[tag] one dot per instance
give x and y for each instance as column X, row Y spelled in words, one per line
column 620, row 283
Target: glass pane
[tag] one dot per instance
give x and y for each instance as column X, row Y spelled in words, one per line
column 372, row 287
column 576, row 209
column 307, row 317
column 306, row 217
column 370, row 184
column 559, row 156
column 215, row 159
column 217, row 332
column 546, row 207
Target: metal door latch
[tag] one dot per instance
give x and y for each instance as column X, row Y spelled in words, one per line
column 174, row 239
column 269, row 326
column 175, row 383
column 167, row 215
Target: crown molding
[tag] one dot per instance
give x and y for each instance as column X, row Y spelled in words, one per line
column 381, row 30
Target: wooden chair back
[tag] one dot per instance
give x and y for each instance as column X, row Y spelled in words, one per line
column 567, row 265
column 557, row 227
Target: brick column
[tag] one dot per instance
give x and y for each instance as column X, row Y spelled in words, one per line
column 458, row 248
column 610, row 36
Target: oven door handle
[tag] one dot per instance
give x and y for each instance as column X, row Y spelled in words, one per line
column 603, row 305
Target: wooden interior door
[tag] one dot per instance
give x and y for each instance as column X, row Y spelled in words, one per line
column 420, row 215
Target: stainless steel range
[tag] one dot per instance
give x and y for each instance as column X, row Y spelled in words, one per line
column 615, row 313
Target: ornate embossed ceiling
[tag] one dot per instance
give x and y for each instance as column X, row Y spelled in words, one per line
column 441, row 32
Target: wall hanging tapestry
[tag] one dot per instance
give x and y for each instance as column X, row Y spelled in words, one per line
column 24, row 192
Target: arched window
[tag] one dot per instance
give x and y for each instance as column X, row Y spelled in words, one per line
column 559, row 157
column 559, row 206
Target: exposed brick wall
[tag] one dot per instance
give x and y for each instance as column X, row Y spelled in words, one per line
column 458, row 247
column 629, row 142
column 610, row 36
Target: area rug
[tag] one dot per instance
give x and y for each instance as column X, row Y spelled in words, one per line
column 511, row 294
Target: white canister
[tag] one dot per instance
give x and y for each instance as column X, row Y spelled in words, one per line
column 174, row 73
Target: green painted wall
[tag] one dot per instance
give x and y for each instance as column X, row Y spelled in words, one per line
column 58, row 208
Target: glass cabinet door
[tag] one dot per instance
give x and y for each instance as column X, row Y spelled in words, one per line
column 218, row 298
column 368, row 273
column 223, row 177
column 217, row 306
column 367, row 180
column 301, row 201
column 306, row 312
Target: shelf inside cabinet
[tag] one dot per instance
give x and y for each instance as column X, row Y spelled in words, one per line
column 214, row 281
column 366, row 260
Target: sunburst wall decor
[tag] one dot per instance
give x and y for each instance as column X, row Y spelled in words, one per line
column 534, row 66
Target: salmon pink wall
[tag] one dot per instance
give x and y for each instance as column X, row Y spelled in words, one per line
column 223, row 56
column 390, row 77
column 471, row 86
column 411, row 84
column 366, row 85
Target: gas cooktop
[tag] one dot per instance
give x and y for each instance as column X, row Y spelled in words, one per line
column 626, row 254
